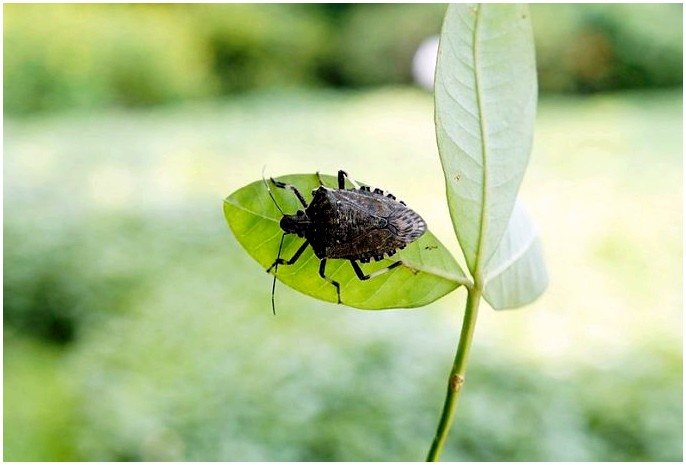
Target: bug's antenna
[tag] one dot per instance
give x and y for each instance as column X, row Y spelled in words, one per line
column 270, row 192
column 276, row 268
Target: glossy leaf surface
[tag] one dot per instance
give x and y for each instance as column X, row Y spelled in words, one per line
column 429, row 271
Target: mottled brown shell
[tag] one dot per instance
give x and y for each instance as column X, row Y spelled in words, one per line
column 359, row 224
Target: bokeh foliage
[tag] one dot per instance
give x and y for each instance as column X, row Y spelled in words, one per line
column 136, row 328
column 63, row 56
column 174, row 353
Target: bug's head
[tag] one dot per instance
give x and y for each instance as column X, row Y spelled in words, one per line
column 295, row 224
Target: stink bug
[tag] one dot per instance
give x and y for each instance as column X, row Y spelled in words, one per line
column 358, row 224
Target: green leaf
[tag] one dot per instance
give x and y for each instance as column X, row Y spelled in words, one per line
column 485, row 109
column 516, row 274
column 429, row 271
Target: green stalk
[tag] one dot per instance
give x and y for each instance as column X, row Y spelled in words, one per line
column 457, row 373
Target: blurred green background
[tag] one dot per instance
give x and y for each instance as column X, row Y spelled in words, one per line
column 135, row 328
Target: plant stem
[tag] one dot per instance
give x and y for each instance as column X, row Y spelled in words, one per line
column 457, row 373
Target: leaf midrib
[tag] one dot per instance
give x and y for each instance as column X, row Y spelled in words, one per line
column 229, row 201
column 483, row 221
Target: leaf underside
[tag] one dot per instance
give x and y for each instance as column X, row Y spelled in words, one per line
column 516, row 273
column 486, row 95
column 429, row 271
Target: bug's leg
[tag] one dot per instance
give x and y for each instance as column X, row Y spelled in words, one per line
column 322, row 269
column 296, row 256
column 341, row 179
column 360, row 274
column 319, row 178
column 283, row 185
column 342, row 175
column 281, row 261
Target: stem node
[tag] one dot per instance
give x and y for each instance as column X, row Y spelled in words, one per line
column 456, row 382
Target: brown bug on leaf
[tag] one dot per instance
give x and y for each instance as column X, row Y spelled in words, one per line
column 357, row 224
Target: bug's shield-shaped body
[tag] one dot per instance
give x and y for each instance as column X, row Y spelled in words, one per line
column 359, row 224
column 350, row 224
